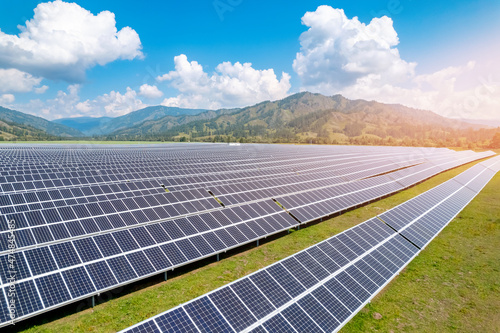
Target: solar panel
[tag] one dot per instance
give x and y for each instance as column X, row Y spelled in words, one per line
column 305, row 292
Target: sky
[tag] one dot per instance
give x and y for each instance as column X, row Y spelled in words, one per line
column 107, row 58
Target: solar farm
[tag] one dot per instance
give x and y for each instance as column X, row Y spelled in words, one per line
column 80, row 220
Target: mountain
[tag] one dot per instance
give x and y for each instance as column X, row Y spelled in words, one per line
column 274, row 113
column 303, row 117
column 105, row 125
column 10, row 131
column 50, row 128
column 299, row 118
column 165, row 124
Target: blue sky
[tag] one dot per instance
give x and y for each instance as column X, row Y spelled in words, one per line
column 437, row 55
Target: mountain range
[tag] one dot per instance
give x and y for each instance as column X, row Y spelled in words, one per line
column 300, row 117
column 15, row 118
column 104, row 125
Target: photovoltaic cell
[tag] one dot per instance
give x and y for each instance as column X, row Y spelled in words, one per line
column 26, row 297
column 299, row 319
column 232, row 309
column 101, row 275
column 121, row 269
column 78, row 282
column 258, row 304
column 176, row 321
column 206, row 317
column 40, row 260
column 47, row 285
column 319, row 314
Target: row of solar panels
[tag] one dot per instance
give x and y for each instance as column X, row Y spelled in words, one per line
column 64, row 272
column 88, row 192
column 50, row 198
column 311, row 210
column 83, row 194
column 86, row 154
column 321, row 180
column 87, row 200
column 67, row 214
column 80, row 160
column 116, row 173
column 47, row 225
column 321, row 288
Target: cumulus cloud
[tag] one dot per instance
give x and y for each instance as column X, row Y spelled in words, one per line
column 443, row 79
column 68, row 104
column 339, row 55
column 62, row 40
column 13, row 80
column 114, row 104
column 337, row 51
column 437, row 92
column 62, row 104
column 150, row 91
column 6, row 99
column 231, row 85
column 41, row 90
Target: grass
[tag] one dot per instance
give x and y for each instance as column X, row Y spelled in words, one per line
column 452, row 285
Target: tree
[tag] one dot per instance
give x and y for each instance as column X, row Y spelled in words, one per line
column 495, row 142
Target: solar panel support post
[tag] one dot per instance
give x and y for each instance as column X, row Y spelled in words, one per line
column 165, row 275
column 217, row 257
column 93, row 300
column 257, row 242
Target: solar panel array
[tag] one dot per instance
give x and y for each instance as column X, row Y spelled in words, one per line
column 322, row 287
column 88, row 219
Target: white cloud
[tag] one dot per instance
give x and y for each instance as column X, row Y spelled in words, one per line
column 67, row 104
column 62, row 105
column 84, row 107
column 150, row 91
column 113, row 104
column 443, row 79
column 41, row 90
column 6, row 99
column 437, row 92
column 13, row 80
column 339, row 55
column 337, row 51
column 116, row 104
column 231, row 85
column 59, row 107
column 62, row 40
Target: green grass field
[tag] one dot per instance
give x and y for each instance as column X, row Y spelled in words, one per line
column 452, row 286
